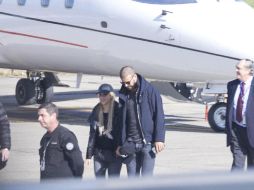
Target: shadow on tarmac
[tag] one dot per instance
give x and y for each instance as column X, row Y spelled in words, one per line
column 67, row 115
column 190, row 128
column 58, row 96
column 175, row 123
column 79, row 115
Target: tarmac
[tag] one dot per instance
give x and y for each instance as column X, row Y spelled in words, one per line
column 191, row 146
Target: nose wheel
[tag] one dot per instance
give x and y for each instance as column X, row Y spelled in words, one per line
column 217, row 117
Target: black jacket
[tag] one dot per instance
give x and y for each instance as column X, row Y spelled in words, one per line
column 63, row 157
column 94, row 134
column 5, row 137
column 150, row 112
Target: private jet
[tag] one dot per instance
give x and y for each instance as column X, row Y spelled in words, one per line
column 187, row 41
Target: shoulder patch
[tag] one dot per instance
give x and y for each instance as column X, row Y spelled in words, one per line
column 69, row 146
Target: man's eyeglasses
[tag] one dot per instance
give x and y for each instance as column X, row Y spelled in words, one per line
column 127, row 82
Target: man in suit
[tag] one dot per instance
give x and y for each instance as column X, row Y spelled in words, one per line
column 240, row 116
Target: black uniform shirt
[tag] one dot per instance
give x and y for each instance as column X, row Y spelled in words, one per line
column 60, row 155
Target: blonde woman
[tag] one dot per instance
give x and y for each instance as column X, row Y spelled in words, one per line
column 103, row 136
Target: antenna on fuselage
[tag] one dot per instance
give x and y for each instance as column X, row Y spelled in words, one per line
column 164, row 12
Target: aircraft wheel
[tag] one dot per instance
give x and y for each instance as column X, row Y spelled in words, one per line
column 25, row 92
column 45, row 91
column 217, row 117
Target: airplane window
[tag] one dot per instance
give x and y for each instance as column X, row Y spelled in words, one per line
column 21, row 2
column 69, row 3
column 45, row 3
column 166, row 1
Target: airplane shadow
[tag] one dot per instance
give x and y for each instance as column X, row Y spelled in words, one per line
column 189, row 128
column 58, row 96
column 79, row 115
column 67, row 115
column 71, row 116
column 74, row 95
column 176, row 123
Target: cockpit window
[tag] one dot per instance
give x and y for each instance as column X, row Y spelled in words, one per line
column 69, row 4
column 166, row 1
column 44, row 3
column 21, row 2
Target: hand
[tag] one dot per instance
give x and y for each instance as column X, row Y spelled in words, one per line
column 118, row 151
column 5, row 154
column 159, row 146
column 88, row 162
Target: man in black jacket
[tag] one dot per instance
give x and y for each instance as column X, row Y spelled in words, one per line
column 5, row 137
column 60, row 156
column 143, row 132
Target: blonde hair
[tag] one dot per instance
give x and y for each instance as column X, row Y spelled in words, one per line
column 107, row 130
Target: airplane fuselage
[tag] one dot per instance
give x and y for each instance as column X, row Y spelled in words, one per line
column 189, row 42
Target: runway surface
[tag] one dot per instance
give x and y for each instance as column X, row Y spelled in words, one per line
column 191, row 146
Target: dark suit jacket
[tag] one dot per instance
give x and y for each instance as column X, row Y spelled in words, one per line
column 232, row 86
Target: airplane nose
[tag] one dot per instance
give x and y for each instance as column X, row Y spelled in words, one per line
column 239, row 30
column 227, row 31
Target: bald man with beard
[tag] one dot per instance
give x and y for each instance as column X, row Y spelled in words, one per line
column 142, row 134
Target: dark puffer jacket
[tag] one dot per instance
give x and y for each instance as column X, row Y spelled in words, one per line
column 5, row 137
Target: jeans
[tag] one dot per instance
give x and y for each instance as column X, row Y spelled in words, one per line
column 113, row 168
column 142, row 162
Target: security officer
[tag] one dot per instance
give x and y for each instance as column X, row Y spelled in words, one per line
column 60, row 156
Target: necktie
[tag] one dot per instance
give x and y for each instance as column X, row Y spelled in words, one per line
column 239, row 107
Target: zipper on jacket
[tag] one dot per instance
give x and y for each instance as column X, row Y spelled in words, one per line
column 138, row 112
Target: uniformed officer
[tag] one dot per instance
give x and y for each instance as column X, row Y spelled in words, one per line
column 60, row 156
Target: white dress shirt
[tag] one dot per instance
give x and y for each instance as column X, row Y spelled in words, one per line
column 245, row 100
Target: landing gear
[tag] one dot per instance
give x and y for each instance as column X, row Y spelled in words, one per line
column 25, row 92
column 217, row 116
column 45, row 91
column 183, row 89
column 36, row 88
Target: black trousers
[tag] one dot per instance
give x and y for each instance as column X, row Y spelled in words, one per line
column 241, row 148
